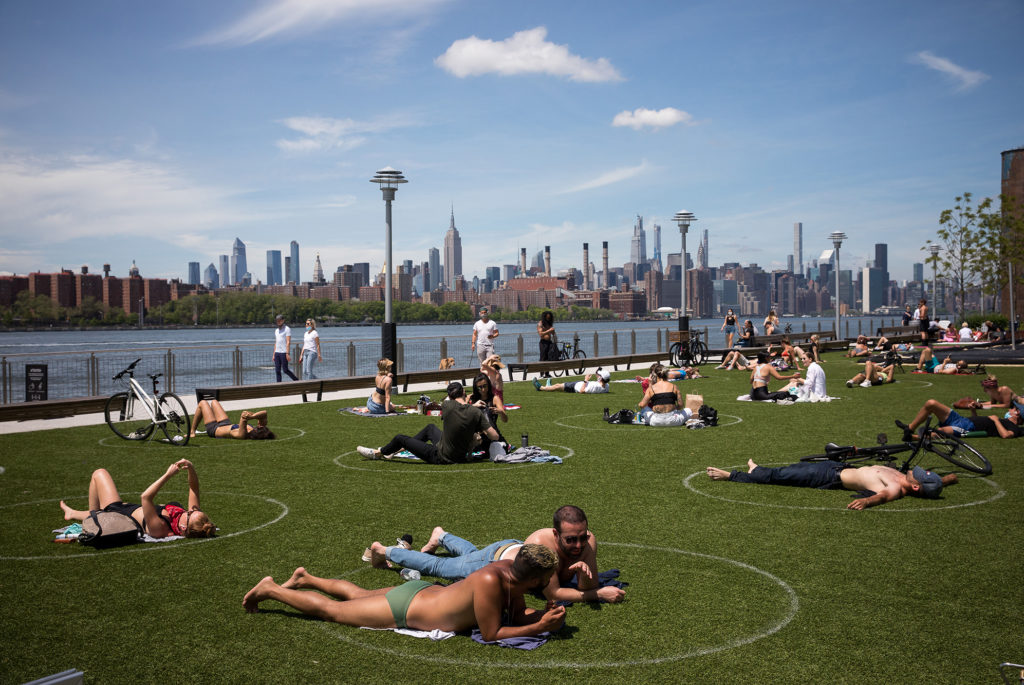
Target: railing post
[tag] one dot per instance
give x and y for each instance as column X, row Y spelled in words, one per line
column 707, row 337
column 93, row 385
column 519, row 349
column 804, row 327
column 444, row 348
column 657, row 337
column 597, row 352
column 236, row 366
column 3, row 379
column 632, row 341
column 615, row 343
column 401, row 355
column 168, row 370
column 847, row 328
column 352, row 358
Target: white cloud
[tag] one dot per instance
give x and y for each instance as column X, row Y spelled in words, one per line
column 326, row 133
column 293, row 17
column 609, row 177
column 965, row 79
column 526, row 52
column 653, row 118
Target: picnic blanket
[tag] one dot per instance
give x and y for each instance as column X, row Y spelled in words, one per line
column 363, row 411
column 70, row 534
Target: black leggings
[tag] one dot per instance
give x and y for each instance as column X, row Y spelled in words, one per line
column 423, row 444
column 761, row 394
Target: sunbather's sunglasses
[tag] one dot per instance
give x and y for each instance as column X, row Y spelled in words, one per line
column 573, row 539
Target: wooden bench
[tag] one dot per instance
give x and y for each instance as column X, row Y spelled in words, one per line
column 53, row 409
column 613, row 361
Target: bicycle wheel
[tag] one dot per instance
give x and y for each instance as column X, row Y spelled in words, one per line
column 958, row 452
column 581, row 357
column 171, row 411
column 698, row 352
column 678, row 354
column 127, row 417
column 561, row 357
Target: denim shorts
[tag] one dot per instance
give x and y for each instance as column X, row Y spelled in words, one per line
column 374, row 407
column 960, row 424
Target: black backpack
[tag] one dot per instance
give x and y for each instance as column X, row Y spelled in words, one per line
column 103, row 529
column 621, row 416
column 709, row 415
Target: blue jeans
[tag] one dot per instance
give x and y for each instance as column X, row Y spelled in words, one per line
column 465, row 558
column 308, row 360
column 281, row 364
column 811, row 474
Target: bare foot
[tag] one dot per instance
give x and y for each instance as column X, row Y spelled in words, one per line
column 378, row 556
column 435, row 540
column 297, row 581
column 751, row 465
column 717, row 474
column 68, row 512
column 259, row 592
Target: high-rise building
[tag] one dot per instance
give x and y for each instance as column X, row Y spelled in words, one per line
column 873, row 289
column 452, row 254
column 318, row 272
column 918, row 268
column 656, row 259
column 363, row 269
column 239, row 266
column 211, row 279
column 638, row 244
column 798, row 248
column 193, row 273
column 274, row 273
column 703, row 258
column 434, row 262
column 294, row 276
column 225, row 271
column 882, row 256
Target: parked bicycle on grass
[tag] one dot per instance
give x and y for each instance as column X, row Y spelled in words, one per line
column 135, row 414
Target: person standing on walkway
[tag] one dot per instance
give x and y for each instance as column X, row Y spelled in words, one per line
column 282, row 343
column 310, row 353
column 484, row 333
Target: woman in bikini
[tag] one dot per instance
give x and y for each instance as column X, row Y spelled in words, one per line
column 763, row 370
column 662, row 403
column 157, row 520
column 216, row 423
column 379, row 401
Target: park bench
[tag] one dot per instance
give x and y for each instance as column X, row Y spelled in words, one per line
column 53, row 409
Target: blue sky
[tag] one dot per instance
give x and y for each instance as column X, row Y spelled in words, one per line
column 160, row 131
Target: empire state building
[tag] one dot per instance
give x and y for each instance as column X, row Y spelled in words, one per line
column 452, row 254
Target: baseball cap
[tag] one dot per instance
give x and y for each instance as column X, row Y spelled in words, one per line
column 603, row 375
column 931, row 483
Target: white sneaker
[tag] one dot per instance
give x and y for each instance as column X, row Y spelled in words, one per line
column 849, row 384
column 866, row 384
column 368, row 452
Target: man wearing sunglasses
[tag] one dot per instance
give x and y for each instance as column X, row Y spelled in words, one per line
column 569, row 538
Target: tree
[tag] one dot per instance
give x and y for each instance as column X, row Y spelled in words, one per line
column 959, row 235
column 1001, row 244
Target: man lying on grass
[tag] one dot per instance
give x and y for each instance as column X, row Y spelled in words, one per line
column 882, row 483
column 583, row 387
column 479, row 600
column 570, row 539
column 951, row 423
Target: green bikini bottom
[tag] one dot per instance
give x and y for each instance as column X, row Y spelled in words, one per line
column 400, row 597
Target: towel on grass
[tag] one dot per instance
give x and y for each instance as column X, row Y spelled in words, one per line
column 526, row 454
column 75, row 529
column 363, row 411
column 532, row 642
column 746, row 398
column 428, row 634
column 609, row 578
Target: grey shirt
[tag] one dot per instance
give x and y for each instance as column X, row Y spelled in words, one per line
column 461, row 423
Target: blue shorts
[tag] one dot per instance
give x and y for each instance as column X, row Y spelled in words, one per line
column 374, row 407
column 959, row 424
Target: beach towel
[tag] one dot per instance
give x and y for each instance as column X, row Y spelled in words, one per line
column 363, row 411
column 434, row 635
column 71, row 533
column 532, row 642
column 526, row 454
column 609, row 578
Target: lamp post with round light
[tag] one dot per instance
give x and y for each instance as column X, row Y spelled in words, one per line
column 837, row 238
column 935, row 250
column 388, row 179
column 683, row 218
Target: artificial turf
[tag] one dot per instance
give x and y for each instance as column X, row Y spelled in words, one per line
column 727, row 582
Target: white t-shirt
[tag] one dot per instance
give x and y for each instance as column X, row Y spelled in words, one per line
column 484, row 331
column 309, row 341
column 281, row 336
column 591, row 387
column 814, row 383
column 966, row 335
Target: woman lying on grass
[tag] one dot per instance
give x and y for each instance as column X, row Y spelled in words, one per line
column 157, row 520
column 218, row 425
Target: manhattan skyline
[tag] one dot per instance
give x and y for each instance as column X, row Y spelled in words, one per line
column 160, row 132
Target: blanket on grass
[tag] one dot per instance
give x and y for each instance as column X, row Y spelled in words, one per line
column 71, row 533
column 435, row 635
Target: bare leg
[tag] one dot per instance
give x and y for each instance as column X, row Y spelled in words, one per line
column 373, row 612
column 73, row 514
column 102, row 492
column 435, row 540
column 939, row 410
column 552, row 388
column 926, row 355
column 339, row 589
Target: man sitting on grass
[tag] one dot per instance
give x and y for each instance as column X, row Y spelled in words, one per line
column 570, row 539
column 873, row 374
column 585, row 386
column 884, row 483
column 462, row 424
column 951, row 423
column 479, row 600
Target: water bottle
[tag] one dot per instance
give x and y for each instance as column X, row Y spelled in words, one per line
column 525, row 438
column 409, row 574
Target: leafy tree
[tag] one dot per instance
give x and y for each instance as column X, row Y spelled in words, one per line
column 1001, row 243
column 959, row 235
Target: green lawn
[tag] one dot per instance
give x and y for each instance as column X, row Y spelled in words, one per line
column 727, row 582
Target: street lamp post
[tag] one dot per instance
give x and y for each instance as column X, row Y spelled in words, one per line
column 935, row 250
column 388, row 179
column 837, row 238
column 683, row 218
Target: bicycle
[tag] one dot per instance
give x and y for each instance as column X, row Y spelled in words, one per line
column 572, row 351
column 689, row 353
column 135, row 415
column 950, row 448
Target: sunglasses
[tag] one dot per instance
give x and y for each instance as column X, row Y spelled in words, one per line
column 573, row 539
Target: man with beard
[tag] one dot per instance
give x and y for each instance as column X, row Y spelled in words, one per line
column 569, row 539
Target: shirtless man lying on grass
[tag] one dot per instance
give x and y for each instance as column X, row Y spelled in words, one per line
column 884, row 483
column 476, row 601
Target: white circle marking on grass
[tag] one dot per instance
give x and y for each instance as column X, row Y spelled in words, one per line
column 441, row 468
column 999, row 493
column 559, row 422
column 150, row 547
column 790, row 613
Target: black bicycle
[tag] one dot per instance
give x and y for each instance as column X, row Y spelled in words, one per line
column 572, row 351
column 928, row 439
column 693, row 352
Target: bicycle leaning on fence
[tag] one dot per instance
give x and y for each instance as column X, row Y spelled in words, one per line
column 693, row 352
column 135, row 415
column 950, row 448
column 572, row 351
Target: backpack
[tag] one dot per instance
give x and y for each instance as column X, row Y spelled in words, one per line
column 102, row 529
column 709, row 415
column 621, row 416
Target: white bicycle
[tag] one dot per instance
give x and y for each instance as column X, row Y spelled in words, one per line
column 134, row 414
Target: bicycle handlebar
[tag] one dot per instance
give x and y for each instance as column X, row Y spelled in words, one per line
column 130, row 370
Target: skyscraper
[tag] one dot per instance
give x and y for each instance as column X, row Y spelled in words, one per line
column 238, row 263
column 225, row 270
column 211, row 280
column 452, row 253
column 798, row 248
column 434, row 271
column 193, row 273
column 318, row 271
column 918, row 272
column 703, row 262
column 656, row 259
column 295, row 275
column 638, row 244
column 882, row 256
column 274, row 267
